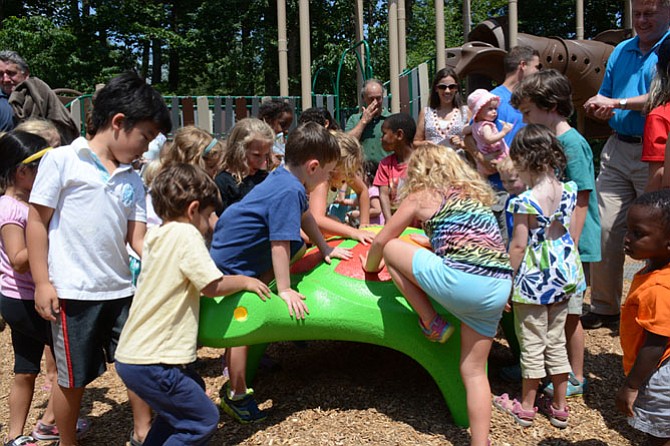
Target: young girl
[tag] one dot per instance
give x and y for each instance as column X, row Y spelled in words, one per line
column 192, row 145
column 20, row 153
column 279, row 116
column 245, row 160
column 490, row 142
column 453, row 202
column 347, row 173
column 547, row 273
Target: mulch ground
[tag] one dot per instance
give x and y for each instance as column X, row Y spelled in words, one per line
column 337, row 393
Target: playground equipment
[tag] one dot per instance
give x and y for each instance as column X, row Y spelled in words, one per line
column 582, row 61
column 345, row 304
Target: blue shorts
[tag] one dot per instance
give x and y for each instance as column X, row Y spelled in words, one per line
column 477, row 301
column 85, row 336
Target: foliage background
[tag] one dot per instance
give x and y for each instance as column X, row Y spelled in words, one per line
column 229, row 47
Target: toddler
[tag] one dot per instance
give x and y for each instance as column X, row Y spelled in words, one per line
column 547, row 273
column 645, row 320
column 490, row 142
column 157, row 347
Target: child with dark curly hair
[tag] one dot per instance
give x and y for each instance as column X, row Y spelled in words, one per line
column 547, row 272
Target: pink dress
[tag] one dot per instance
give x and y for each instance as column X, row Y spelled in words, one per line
column 492, row 152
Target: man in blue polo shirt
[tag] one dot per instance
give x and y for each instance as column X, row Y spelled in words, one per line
column 520, row 62
column 623, row 176
column 13, row 71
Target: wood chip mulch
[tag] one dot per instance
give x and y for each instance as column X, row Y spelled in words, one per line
column 338, row 393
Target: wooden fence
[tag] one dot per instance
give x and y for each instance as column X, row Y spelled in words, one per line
column 218, row 114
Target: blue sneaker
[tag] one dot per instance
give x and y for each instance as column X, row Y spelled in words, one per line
column 244, row 410
column 575, row 388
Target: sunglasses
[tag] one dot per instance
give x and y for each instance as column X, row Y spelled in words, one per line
column 443, row 87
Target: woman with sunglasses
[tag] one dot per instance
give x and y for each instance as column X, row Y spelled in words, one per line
column 443, row 120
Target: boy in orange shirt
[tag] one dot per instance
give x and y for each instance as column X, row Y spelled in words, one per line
column 645, row 320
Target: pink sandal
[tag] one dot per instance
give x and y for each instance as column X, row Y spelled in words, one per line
column 522, row 416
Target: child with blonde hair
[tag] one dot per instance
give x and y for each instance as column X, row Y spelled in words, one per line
column 245, row 160
column 195, row 146
column 467, row 272
column 43, row 127
column 347, row 173
column 548, row 272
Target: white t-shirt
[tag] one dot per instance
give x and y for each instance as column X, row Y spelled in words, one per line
column 88, row 259
column 162, row 327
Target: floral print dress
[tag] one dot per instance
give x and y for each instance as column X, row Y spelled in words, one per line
column 551, row 270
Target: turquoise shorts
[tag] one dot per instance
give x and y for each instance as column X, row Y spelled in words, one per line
column 475, row 300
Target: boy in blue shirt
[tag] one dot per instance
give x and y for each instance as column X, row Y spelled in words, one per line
column 86, row 204
column 546, row 98
column 260, row 237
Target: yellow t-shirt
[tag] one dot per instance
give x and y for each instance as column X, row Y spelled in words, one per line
column 162, row 326
column 647, row 307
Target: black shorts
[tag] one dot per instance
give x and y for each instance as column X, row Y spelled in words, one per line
column 85, row 336
column 30, row 333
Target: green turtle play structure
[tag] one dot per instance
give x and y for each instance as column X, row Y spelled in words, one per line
column 345, row 304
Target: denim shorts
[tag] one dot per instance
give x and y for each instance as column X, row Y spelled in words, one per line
column 652, row 405
column 475, row 300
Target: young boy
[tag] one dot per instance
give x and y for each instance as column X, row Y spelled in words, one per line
column 398, row 133
column 86, row 204
column 158, row 343
column 260, row 236
column 546, row 98
column 644, row 396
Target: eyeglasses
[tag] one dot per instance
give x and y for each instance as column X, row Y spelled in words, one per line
column 443, row 87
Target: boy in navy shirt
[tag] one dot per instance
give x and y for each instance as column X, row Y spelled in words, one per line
column 260, row 237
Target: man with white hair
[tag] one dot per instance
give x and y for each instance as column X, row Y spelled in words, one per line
column 13, row 71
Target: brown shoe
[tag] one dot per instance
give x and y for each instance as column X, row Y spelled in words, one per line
column 592, row 321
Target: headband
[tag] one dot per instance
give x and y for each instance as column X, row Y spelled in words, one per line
column 210, row 146
column 35, row 156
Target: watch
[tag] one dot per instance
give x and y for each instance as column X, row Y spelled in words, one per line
column 623, row 103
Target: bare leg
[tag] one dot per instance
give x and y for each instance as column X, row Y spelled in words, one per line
column 474, row 354
column 20, row 397
column 52, row 378
column 236, row 358
column 141, row 416
column 560, row 383
column 67, row 403
column 529, row 392
column 398, row 256
column 475, row 348
column 50, row 366
column 574, row 336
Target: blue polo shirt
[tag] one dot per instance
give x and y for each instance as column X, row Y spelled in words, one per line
column 6, row 114
column 507, row 113
column 629, row 74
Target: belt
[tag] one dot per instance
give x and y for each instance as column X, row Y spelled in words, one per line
column 629, row 139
